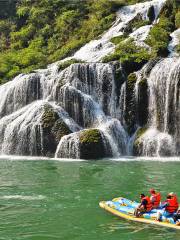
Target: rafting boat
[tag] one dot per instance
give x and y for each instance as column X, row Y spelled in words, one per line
column 124, row 208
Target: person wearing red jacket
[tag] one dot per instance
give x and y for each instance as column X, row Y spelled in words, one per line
column 155, row 198
column 145, row 205
column 170, row 207
column 176, row 217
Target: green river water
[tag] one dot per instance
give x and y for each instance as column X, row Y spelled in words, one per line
column 47, row 199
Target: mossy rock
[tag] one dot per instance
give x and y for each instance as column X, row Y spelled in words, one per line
column 137, row 146
column 132, row 78
column 130, row 113
column 92, row 145
column 60, row 129
column 142, row 108
column 168, row 9
column 49, row 117
column 119, row 78
column 65, row 64
column 177, row 19
column 53, row 129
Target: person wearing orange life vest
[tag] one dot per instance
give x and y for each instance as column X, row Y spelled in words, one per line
column 176, row 216
column 170, row 207
column 145, row 205
column 175, row 199
column 155, row 198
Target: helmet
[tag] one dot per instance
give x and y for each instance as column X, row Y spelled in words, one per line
column 152, row 190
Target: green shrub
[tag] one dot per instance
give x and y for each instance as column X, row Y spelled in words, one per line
column 177, row 19
column 118, row 39
column 130, row 55
column 65, row 64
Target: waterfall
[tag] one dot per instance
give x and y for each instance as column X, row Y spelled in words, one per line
column 22, row 132
column 52, row 112
column 69, row 147
column 163, row 135
column 91, row 97
column 83, row 95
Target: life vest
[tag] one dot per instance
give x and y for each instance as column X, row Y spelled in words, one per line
column 148, row 206
column 157, row 197
column 173, row 205
column 176, row 201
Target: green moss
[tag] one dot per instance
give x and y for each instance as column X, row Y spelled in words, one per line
column 177, row 19
column 142, row 110
column 92, row 145
column 140, row 132
column 132, row 57
column 132, row 78
column 140, row 23
column 118, row 39
column 89, row 136
column 65, row 64
column 178, row 48
column 60, row 129
column 169, row 8
column 130, row 112
column 49, row 117
column 137, row 147
column 159, row 35
column 53, row 129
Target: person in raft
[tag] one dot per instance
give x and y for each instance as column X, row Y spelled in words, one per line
column 176, row 217
column 170, row 207
column 145, row 205
column 155, row 198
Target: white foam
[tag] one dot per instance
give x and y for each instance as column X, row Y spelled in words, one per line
column 140, row 159
column 174, row 42
column 23, row 197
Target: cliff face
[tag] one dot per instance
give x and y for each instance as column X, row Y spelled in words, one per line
column 92, row 109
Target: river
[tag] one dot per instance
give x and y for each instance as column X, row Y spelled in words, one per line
column 50, row 199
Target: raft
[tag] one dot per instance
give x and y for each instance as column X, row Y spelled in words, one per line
column 124, row 208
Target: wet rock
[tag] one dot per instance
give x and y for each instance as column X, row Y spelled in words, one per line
column 92, row 145
column 130, row 112
column 151, row 14
column 138, row 145
column 53, row 129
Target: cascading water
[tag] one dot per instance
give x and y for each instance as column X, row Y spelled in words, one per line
column 88, row 93
column 174, row 43
column 89, row 96
column 51, row 112
column 163, row 135
column 22, row 131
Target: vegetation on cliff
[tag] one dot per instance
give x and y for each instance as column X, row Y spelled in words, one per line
column 159, row 35
column 129, row 54
column 35, row 33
